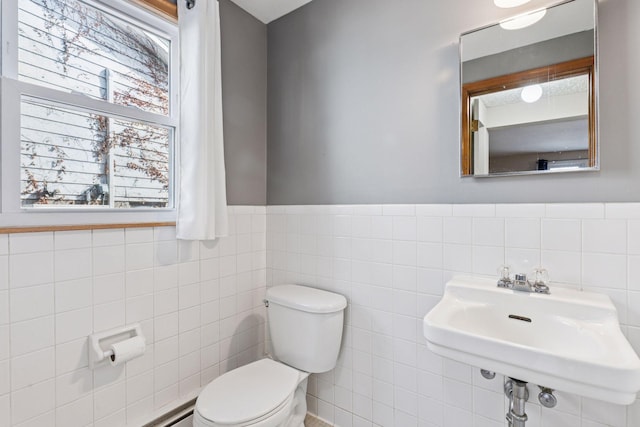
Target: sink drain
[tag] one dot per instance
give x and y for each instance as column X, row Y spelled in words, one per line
column 521, row 318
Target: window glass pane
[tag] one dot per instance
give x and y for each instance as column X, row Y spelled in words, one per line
column 71, row 46
column 73, row 158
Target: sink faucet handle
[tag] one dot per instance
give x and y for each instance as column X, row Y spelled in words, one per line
column 504, row 281
column 504, row 271
column 541, row 280
column 541, row 275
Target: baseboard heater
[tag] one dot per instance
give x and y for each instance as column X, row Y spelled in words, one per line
column 174, row 416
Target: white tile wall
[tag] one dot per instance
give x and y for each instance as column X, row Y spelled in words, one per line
column 199, row 303
column 200, row 307
column 392, row 262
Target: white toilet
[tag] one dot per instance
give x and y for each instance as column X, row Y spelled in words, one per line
column 306, row 331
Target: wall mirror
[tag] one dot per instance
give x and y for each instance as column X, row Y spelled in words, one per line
column 528, row 85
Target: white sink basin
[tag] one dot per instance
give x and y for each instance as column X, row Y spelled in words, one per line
column 568, row 341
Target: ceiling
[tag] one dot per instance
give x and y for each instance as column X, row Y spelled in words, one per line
column 559, row 87
column 560, row 20
column 269, row 10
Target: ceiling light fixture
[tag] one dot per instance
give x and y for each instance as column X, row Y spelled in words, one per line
column 523, row 21
column 510, row 3
column 531, row 94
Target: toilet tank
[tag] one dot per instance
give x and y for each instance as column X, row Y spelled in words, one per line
column 305, row 325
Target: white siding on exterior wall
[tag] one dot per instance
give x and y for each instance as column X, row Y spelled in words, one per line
column 73, row 156
column 62, row 148
column 392, row 261
column 68, row 46
column 199, row 304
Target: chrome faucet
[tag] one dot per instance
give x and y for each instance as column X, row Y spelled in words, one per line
column 521, row 284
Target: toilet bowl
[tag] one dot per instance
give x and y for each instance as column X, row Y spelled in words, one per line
column 306, row 331
column 261, row 394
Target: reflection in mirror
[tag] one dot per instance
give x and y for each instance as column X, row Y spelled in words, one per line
column 529, row 94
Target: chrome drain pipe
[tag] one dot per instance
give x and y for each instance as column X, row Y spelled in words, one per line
column 517, row 392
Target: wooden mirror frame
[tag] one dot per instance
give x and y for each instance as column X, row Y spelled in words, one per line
column 582, row 66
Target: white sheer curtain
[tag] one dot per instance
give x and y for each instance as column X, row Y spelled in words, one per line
column 202, row 208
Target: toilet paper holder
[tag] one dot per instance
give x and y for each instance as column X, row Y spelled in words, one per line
column 100, row 343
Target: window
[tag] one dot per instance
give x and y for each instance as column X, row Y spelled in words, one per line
column 89, row 112
column 167, row 7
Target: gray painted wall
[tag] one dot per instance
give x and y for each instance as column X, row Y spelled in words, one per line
column 244, row 101
column 363, row 107
column 554, row 51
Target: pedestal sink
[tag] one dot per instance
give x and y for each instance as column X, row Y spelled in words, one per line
column 569, row 340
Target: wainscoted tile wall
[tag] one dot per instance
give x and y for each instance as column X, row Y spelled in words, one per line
column 392, row 262
column 199, row 304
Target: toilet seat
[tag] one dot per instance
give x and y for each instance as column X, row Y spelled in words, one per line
column 272, row 419
column 248, row 395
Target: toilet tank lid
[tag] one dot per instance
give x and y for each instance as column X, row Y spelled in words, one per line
column 307, row 299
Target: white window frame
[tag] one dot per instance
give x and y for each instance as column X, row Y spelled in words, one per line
column 12, row 214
